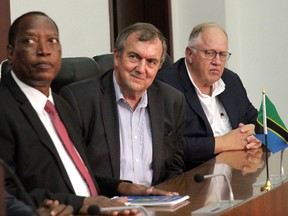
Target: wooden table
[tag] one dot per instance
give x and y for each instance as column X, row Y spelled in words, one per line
column 247, row 173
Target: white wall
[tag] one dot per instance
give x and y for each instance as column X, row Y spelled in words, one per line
column 83, row 24
column 188, row 13
column 258, row 36
column 263, row 50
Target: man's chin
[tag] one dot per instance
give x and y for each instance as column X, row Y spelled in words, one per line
column 35, row 83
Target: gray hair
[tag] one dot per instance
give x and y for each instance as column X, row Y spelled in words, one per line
column 145, row 32
column 196, row 33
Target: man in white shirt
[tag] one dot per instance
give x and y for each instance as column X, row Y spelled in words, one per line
column 219, row 115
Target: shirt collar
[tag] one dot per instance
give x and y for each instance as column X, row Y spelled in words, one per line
column 217, row 88
column 35, row 97
column 119, row 96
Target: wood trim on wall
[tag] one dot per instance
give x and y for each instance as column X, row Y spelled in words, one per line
column 170, row 42
column 125, row 12
column 111, row 23
column 4, row 27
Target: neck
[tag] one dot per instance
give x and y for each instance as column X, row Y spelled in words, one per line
column 207, row 90
column 133, row 100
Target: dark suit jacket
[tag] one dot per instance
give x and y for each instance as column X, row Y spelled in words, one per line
column 16, row 207
column 27, row 147
column 199, row 140
column 94, row 101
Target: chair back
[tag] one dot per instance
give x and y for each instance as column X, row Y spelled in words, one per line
column 75, row 69
column 105, row 61
column 72, row 69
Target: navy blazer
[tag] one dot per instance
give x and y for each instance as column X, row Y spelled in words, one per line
column 199, row 141
column 95, row 103
column 26, row 146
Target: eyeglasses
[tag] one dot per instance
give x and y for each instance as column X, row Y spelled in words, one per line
column 211, row 54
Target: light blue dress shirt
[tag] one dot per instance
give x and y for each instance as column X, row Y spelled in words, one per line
column 135, row 139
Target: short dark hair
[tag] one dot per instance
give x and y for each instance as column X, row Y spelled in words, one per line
column 145, row 32
column 15, row 25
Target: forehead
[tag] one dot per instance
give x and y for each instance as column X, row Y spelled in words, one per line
column 36, row 22
column 214, row 36
column 150, row 46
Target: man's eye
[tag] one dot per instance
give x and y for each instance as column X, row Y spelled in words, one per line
column 29, row 41
column 152, row 63
column 224, row 54
column 53, row 40
column 134, row 58
column 210, row 52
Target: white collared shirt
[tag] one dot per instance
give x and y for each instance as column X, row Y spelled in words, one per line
column 38, row 101
column 213, row 108
column 135, row 139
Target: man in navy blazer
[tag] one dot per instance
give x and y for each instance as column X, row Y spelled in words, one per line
column 219, row 115
column 28, row 140
column 132, row 123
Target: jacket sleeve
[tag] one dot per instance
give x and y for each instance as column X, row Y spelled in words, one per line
column 109, row 186
column 177, row 165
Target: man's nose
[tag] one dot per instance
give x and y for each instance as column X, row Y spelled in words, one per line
column 217, row 59
column 141, row 65
column 43, row 48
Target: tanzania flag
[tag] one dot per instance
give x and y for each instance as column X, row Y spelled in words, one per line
column 277, row 133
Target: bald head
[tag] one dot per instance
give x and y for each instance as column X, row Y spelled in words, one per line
column 195, row 37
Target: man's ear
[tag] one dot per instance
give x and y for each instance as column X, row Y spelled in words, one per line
column 10, row 51
column 188, row 54
column 116, row 57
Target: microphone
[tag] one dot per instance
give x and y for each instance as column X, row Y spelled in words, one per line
column 215, row 207
column 26, row 197
column 199, row 178
column 95, row 210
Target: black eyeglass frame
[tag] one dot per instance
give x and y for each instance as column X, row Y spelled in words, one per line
column 211, row 54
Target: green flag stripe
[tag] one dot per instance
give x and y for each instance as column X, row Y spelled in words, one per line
column 272, row 113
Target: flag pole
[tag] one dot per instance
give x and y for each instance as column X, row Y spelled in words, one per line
column 282, row 166
column 268, row 184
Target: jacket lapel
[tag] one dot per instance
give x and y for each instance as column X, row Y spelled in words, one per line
column 34, row 120
column 191, row 95
column 227, row 98
column 156, row 113
column 110, row 121
column 75, row 136
column 30, row 113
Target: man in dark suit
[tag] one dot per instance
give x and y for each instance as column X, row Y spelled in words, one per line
column 15, row 207
column 219, row 115
column 30, row 143
column 133, row 124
